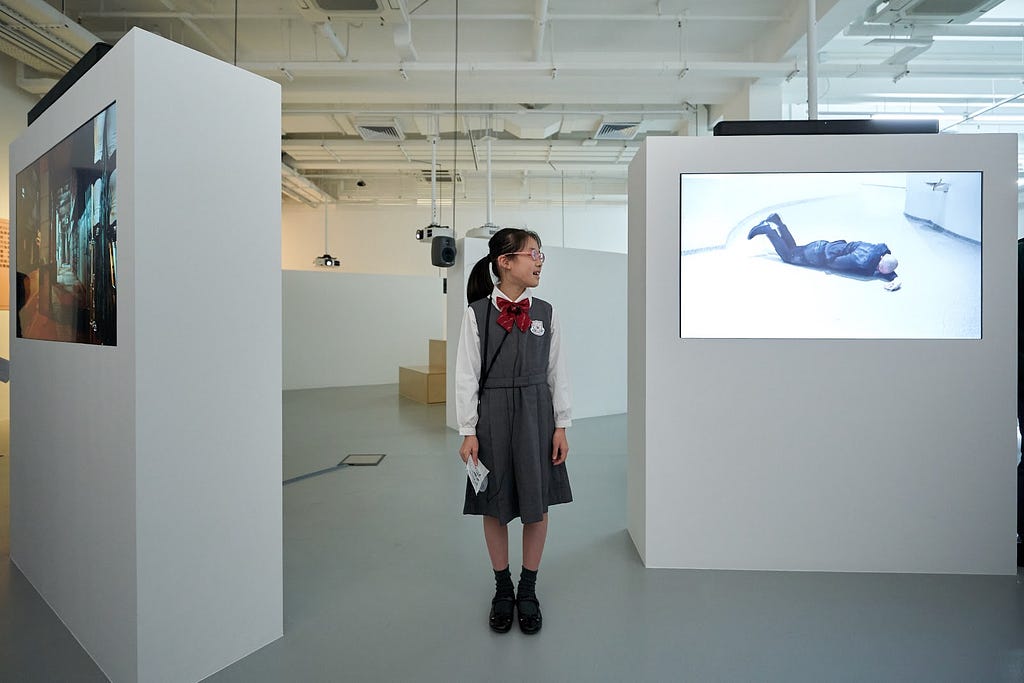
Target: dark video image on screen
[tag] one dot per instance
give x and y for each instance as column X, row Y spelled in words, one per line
column 840, row 255
column 66, row 238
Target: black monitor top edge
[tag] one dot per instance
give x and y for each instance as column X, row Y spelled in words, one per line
column 827, row 127
column 88, row 60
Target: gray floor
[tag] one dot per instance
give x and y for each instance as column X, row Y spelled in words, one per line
column 385, row 580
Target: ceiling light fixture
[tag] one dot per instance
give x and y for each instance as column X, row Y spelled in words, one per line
column 287, row 74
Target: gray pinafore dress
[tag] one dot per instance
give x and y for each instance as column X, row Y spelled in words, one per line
column 516, row 420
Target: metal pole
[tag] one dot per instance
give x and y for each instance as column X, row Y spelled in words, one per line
column 489, row 189
column 812, row 59
column 433, row 181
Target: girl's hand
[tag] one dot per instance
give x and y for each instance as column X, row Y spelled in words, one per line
column 470, row 448
column 559, row 447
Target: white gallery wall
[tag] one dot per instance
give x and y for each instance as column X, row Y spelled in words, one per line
column 354, row 329
column 379, row 238
column 146, row 477
column 14, row 106
column 355, row 325
column 877, row 455
column 587, row 289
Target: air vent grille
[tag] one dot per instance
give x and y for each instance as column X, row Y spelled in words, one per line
column 929, row 11
column 380, row 131
column 617, row 131
column 336, row 6
column 444, row 175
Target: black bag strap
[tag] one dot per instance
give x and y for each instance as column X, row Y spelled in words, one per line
column 486, row 369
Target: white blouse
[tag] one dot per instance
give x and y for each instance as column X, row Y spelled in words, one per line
column 467, row 370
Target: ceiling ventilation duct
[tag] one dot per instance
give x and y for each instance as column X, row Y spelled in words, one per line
column 919, row 12
column 39, row 36
column 618, row 131
column 443, row 175
column 387, row 11
column 388, row 131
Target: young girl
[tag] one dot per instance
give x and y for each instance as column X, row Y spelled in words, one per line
column 512, row 406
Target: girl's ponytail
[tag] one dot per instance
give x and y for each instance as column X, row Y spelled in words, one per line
column 479, row 284
column 505, row 241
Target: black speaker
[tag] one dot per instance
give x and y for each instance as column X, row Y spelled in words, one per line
column 442, row 251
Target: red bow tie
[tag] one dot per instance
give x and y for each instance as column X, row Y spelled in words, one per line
column 514, row 313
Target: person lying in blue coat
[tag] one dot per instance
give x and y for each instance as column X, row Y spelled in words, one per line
column 859, row 258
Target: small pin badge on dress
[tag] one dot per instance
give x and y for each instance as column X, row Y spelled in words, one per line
column 537, row 327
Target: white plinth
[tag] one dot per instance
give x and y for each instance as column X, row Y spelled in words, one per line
column 874, row 455
column 146, row 476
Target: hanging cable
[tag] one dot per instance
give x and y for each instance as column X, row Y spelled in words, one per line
column 326, row 250
column 236, row 34
column 563, row 207
column 455, row 139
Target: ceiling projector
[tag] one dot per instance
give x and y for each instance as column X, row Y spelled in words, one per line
column 434, row 230
column 327, row 261
column 486, row 230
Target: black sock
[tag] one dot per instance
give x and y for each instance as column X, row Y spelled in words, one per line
column 503, row 587
column 527, row 584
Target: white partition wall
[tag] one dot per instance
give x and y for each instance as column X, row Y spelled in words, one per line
column 821, row 454
column 588, row 289
column 146, row 476
column 353, row 329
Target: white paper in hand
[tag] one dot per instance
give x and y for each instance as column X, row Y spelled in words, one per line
column 477, row 475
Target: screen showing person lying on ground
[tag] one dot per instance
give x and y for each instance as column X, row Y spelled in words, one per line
column 830, row 255
column 66, row 238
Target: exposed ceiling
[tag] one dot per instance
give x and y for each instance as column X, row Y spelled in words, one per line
column 561, row 91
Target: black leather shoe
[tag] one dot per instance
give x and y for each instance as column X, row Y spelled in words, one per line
column 501, row 614
column 530, row 618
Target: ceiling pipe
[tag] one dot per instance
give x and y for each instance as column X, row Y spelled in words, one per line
column 302, row 185
column 258, row 16
column 749, row 69
column 986, row 110
column 327, row 31
column 428, row 109
column 718, row 69
column 603, row 17
column 539, row 25
column 929, row 30
column 59, row 27
column 433, row 181
column 187, row 20
column 490, row 184
column 812, row 60
column 302, row 200
column 38, row 55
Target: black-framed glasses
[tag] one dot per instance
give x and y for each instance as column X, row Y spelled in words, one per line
column 535, row 254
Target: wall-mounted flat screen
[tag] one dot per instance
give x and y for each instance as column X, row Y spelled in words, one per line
column 66, row 238
column 830, row 255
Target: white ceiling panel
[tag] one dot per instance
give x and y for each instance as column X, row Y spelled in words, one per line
column 549, row 73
